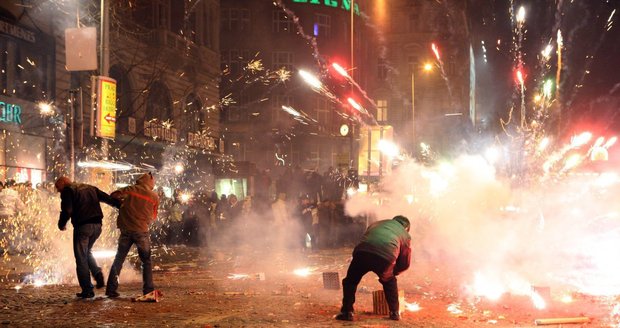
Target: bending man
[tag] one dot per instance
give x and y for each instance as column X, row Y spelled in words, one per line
column 385, row 249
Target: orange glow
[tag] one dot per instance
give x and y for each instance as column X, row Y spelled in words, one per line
column 428, row 67
column 380, row 12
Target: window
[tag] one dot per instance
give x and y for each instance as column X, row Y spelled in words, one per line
column 382, row 110
column 235, row 60
column 4, row 64
column 235, row 19
column 158, row 103
column 323, row 26
column 412, row 61
column 161, row 14
column 237, row 111
column 382, row 69
column 323, row 108
column 277, row 102
column 281, row 22
column 207, row 27
column 192, row 113
column 123, row 98
column 414, row 21
column 26, row 69
column 280, row 59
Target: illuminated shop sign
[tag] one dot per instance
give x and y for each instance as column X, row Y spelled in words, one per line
column 157, row 130
column 10, row 113
column 344, row 4
column 202, row 141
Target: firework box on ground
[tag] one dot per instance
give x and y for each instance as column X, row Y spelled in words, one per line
column 154, row 296
column 331, row 280
column 379, row 304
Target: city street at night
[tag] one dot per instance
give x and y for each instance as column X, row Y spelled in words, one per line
column 201, row 290
column 309, row 163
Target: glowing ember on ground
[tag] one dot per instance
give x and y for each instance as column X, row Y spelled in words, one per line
column 454, row 309
column 303, row 272
column 39, row 283
column 566, row 299
column 412, row 307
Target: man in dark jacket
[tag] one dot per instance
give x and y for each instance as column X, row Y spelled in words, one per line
column 385, row 249
column 80, row 203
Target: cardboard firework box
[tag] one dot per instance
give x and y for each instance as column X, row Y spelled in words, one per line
column 379, row 304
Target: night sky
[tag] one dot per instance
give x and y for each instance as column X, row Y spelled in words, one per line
column 590, row 87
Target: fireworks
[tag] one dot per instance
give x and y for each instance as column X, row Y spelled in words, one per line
column 303, row 272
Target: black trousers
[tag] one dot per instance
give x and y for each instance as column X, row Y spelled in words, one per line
column 361, row 264
column 84, row 237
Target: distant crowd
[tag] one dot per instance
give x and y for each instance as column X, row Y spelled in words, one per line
column 306, row 203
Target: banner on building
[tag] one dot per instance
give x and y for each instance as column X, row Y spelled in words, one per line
column 103, row 120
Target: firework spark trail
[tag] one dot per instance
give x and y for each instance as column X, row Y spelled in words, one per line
column 444, row 76
column 300, row 30
column 564, row 252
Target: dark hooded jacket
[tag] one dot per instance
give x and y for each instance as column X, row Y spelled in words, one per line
column 80, row 203
column 139, row 205
column 390, row 240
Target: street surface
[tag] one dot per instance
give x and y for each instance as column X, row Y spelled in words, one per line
column 199, row 291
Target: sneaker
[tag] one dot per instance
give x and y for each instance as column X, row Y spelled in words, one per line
column 100, row 281
column 111, row 294
column 85, row 294
column 345, row 316
column 394, row 316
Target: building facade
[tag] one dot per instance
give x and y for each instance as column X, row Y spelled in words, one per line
column 424, row 97
column 264, row 45
column 27, row 77
column 164, row 56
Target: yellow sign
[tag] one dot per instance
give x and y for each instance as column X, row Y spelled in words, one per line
column 105, row 126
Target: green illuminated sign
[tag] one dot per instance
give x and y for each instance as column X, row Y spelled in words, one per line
column 346, row 4
column 10, row 113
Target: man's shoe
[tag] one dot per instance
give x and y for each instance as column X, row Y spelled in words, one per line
column 345, row 316
column 112, row 294
column 100, row 281
column 394, row 316
column 85, row 294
